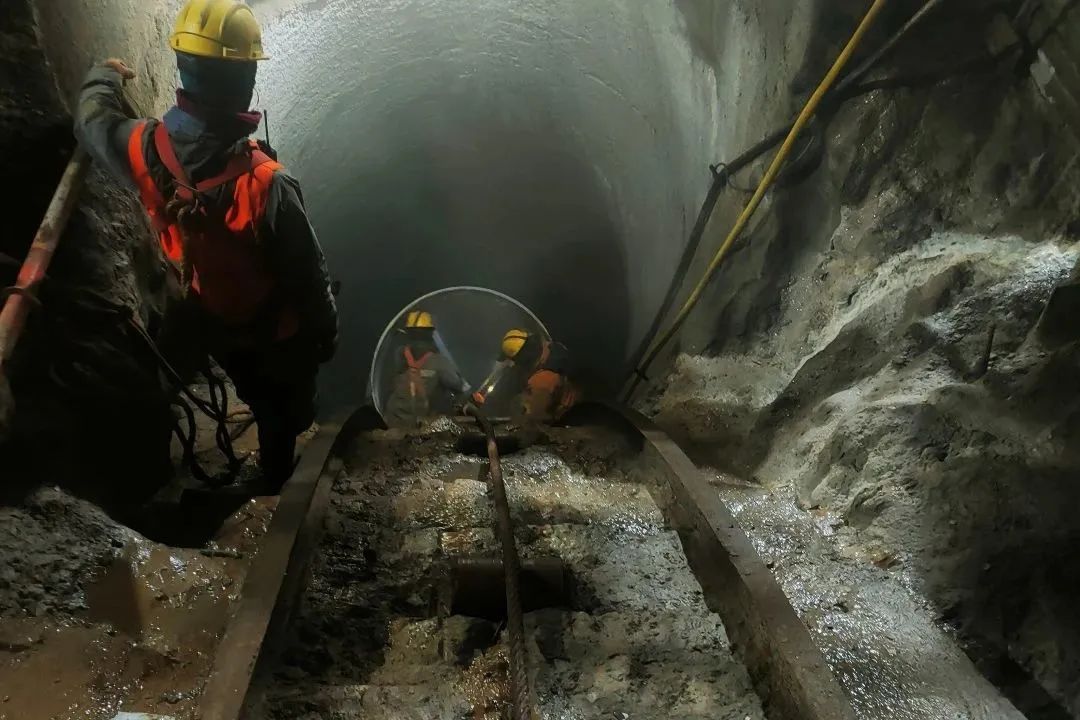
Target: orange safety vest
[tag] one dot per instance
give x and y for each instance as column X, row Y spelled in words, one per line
column 548, row 394
column 229, row 271
column 417, row 391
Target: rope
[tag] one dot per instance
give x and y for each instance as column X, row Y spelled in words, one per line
column 522, row 706
column 763, row 186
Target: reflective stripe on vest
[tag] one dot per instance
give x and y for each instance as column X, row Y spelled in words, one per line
column 230, row 275
column 416, row 379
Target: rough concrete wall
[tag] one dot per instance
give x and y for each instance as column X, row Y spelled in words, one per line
column 554, row 151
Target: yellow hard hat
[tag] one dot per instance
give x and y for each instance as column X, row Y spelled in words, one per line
column 419, row 319
column 513, row 341
column 222, row 29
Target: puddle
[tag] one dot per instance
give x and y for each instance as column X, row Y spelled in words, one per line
column 146, row 640
column 164, row 597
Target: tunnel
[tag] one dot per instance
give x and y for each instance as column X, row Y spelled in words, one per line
column 556, row 152
column 879, row 382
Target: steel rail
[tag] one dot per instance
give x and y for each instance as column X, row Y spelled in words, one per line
column 276, row 576
column 790, row 673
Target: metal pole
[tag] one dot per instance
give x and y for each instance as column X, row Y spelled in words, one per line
column 22, row 297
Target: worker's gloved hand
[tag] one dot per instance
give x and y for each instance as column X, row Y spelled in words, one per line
column 121, row 67
column 478, row 398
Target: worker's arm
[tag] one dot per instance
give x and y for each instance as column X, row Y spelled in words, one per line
column 101, row 125
column 299, row 264
column 449, row 377
column 492, row 381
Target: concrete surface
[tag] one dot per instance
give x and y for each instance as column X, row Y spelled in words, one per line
column 558, row 152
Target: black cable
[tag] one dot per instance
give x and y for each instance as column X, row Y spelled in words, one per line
column 187, row 443
column 216, row 409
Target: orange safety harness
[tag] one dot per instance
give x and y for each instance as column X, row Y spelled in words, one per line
column 214, row 247
column 415, row 370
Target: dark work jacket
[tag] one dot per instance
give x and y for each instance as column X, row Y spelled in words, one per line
column 440, row 382
column 292, row 249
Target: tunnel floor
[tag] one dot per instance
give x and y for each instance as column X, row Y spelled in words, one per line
column 634, row 638
column 134, row 627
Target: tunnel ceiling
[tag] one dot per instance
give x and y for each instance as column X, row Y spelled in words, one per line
column 553, row 150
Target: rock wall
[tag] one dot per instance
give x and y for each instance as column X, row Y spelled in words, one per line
column 89, row 402
column 875, row 350
column 74, row 38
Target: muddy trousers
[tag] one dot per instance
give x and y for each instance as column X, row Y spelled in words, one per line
column 278, row 384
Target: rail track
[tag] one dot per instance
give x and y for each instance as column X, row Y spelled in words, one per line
column 348, row 609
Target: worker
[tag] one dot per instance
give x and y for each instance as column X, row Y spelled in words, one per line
column 533, row 369
column 426, row 383
column 230, row 221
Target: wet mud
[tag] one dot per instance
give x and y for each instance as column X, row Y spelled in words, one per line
column 97, row 619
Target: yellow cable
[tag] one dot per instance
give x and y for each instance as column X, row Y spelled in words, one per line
column 766, row 182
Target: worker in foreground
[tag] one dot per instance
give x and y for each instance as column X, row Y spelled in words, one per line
column 535, row 369
column 250, row 275
column 426, row 382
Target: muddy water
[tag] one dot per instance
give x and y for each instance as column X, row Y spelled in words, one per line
column 631, row 638
column 145, row 642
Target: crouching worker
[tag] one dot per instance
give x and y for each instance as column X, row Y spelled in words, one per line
column 534, row 369
column 230, row 221
column 426, row 383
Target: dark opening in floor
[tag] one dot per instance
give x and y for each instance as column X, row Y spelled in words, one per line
column 476, row 587
column 475, row 444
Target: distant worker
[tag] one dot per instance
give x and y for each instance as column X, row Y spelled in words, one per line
column 426, row 383
column 533, row 369
column 230, row 221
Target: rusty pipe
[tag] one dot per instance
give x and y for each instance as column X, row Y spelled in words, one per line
column 22, row 296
